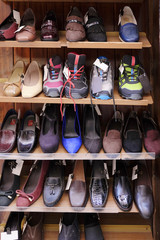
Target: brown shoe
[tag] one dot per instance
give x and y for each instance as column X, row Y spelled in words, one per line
column 28, row 32
column 75, row 26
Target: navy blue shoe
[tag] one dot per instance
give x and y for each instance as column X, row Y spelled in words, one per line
column 128, row 30
column 71, row 130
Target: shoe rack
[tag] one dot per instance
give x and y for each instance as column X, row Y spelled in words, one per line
column 115, row 223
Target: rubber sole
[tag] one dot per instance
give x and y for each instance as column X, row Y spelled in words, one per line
column 51, row 93
column 132, row 96
column 75, row 95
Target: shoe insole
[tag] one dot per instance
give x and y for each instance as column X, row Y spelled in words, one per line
column 7, row 177
column 48, row 125
column 33, row 178
column 16, row 75
column 79, row 171
column 98, row 169
column 29, row 123
column 32, row 76
column 115, row 125
column 148, row 125
column 68, row 218
column 126, row 19
column 55, row 170
column 90, row 125
column 132, row 124
column 71, row 128
column 10, row 123
column 13, row 221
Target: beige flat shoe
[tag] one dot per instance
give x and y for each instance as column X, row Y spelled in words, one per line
column 12, row 88
column 32, row 81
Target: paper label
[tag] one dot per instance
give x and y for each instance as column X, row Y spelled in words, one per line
column 86, row 18
column 135, row 172
column 70, row 177
column 143, row 78
column 106, row 170
column 121, row 69
column 11, row 236
column 45, row 75
column 98, row 110
column 113, row 167
column 60, row 225
column 64, row 162
column 16, row 16
column 17, row 170
column 37, row 121
column 102, row 65
column 19, row 29
column 19, row 113
column 66, row 72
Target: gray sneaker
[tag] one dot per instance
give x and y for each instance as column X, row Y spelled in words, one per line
column 101, row 79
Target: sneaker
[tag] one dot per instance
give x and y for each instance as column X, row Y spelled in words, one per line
column 95, row 30
column 101, row 80
column 53, row 77
column 76, row 83
column 130, row 86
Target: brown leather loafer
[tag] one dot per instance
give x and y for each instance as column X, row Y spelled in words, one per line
column 27, row 31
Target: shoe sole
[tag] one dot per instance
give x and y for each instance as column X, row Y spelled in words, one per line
column 50, row 40
column 52, row 93
column 75, row 95
column 133, row 96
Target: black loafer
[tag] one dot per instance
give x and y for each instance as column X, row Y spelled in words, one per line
column 9, row 183
column 54, row 184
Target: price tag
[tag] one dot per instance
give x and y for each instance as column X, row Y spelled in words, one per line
column 106, row 170
column 17, row 170
column 13, row 235
column 113, row 167
column 45, row 75
column 102, row 65
column 60, row 225
column 37, row 121
column 16, row 16
column 64, row 162
column 70, row 177
column 66, row 72
column 98, row 110
column 19, row 29
column 135, row 172
column 121, row 69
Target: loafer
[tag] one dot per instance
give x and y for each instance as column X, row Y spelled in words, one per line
column 91, row 130
column 34, row 227
column 49, row 135
column 71, row 130
column 151, row 134
column 32, row 81
column 122, row 192
column 8, row 131
column 27, row 31
column 128, row 29
column 54, row 184
column 33, row 186
column 143, row 195
column 8, row 28
column 112, row 140
column 92, row 228
column 9, row 183
column 69, row 227
column 98, row 188
column 49, row 31
column 132, row 136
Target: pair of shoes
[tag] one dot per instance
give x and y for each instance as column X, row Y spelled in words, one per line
column 77, row 28
column 70, row 227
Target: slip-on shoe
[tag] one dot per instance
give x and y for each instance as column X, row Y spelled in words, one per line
column 8, row 28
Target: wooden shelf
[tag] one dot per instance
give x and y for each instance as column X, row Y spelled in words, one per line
column 103, row 1
column 113, row 42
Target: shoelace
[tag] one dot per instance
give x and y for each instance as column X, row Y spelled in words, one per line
column 132, row 73
column 75, row 76
column 20, row 193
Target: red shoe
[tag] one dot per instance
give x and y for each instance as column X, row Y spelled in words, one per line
column 8, row 28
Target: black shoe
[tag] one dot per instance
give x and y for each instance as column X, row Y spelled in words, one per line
column 94, row 26
column 54, row 184
column 92, row 228
column 98, row 185
column 132, row 136
column 122, row 192
column 91, row 130
column 70, row 227
column 9, row 183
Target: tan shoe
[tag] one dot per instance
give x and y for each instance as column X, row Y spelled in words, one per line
column 32, row 81
column 12, row 88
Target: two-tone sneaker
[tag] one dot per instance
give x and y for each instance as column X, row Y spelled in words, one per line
column 53, row 77
column 130, row 86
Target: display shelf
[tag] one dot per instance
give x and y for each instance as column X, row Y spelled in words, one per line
column 103, row 1
column 113, row 42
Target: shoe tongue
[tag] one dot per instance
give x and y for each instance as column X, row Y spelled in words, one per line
column 130, row 60
column 75, row 61
column 54, row 61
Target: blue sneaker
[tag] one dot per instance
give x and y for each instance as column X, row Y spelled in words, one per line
column 71, row 130
column 128, row 29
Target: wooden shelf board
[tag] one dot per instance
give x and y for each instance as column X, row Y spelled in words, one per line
column 105, row 1
column 113, row 42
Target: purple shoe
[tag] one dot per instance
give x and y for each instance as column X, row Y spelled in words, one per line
column 49, row 136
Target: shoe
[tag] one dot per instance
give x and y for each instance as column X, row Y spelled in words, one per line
column 28, row 133
column 54, row 184
column 95, row 30
column 76, row 84
column 71, row 130
column 14, row 223
column 102, row 80
column 34, row 227
column 49, row 135
column 53, row 77
column 132, row 136
column 130, row 86
column 143, row 195
column 12, row 88
column 75, row 26
column 8, row 131
column 8, row 28
column 112, row 141
column 91, row 130
column 9, row 183
column 122, row 192
column 49, row 30
column 98, row 188
column 69, row 227
column 33, row 186
column 128, row 29
column 151, row 134
column 92, row 228
column 32, row 81
column 27, row 31
column 78, row 188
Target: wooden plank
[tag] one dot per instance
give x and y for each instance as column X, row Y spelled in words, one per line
column 105, row 1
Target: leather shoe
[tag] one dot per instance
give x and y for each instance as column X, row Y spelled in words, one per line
column 8, row 28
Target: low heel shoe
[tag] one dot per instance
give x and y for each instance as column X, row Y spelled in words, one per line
column 9, row 183
column 27, row 136
column 8, row 28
